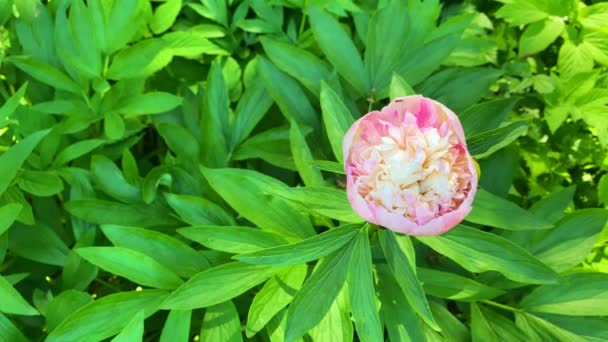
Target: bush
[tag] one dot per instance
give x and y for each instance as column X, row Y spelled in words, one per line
column 173, row 170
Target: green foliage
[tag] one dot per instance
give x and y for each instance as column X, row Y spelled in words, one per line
column 174, row 170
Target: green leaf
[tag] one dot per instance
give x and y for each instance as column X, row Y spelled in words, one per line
column 336, row 117
column 486, row 116
column 232, row 239
column 337, row 324
column 572, row 239
column 12, row 160
column 179, row 140
column 602, row 190
column 310, row 175
column 123, row 20
column 484, row 144
column 247, row 191
column 251, row 108
column 149, row 103
column 214, row 121
column 107, row 316
column 76, row 151
column 272, row 145
column 139, row 60
column 133, row 265
column 339, row 49
column 196, row 210
column 165, row 16
column 486, row 323
column 40, row 183
column 168, row 251
column 399, row 87
column 8, row 215
column 329, row 166
column 13, row 302
column 576, row 294
column 399, row 317
column 221, row 323
column 45, row 73
column 304, row 251
column 63, row 305
column 137, row 215
column 315, row 298
column 273, row 297
column 573, row 59
column 326, row 201
column 177, row 326
column 478, row 251
column 133, row 331
column 298, row 63
column 217, row 285
column 494, row 211
column 540, row 35
column 403, row 270
column 12, row 103
column 594, row 16
column 539, row 329
column 521, row 12
column 9, row 332
column 459, row 88
column 110, row 179
column 452, row 286
column 362, row 294
column 38, row 243
column 288, row 94
column 113, row 125
column 452, row 329
column 481, row 328
column 591, row 328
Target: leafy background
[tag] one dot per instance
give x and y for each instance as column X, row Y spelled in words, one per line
column 171, row 170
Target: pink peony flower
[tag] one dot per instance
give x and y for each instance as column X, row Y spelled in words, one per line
column 408, row 168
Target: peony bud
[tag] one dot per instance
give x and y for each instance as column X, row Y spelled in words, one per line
column 408, row 168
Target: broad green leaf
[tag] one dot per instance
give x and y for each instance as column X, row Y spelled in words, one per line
column 214, row 121
column 179, row 140
column 250, row 194
column 133, row 331
column 148, row 103
column 76, row 150
column 40, row 183
column 251, row 108
column 168, row 251
column 221, row 323
column 273, row 297
column 314, row 299
column 405, row 275
column 336, row 117
column 494, row 211
column 14, row 195
column 326, row 201
column 486, row 116
column 272, row 146
column 9, row 332
column 339, row 49
column 337, row 324
column 165, row 15
column 139, row 60
column 478, row 251
column 288, row 94
column 591, row 328
column 481, row 328
column 39, row 243
column 572, row 239
column 452, row 286
column 123, row 20
column 106, row 212
column 232, row 239
column 362, row 293
column 113, row 126
column 399, row 87
column 8, row 215
column 45, row 73
column 594, row 16
column 190, row 44
column 106, row 316
column 400, row 319
column 298, row 63
column 196, row 210
column 304, row 251
column 521, row 12
column 552, row 207
column 13, row 302
column 217, row 285
column 452, row 329
column 158, row 176
column 310, row 175
column 110, row 179
column 540, row 35
column 539, row 329
column 576, row 294
column 63, row 305
column 329, row 166
column 459, row 88
column 131, row 264
column 12, row 160
column 484, row 144
column 177, row 326
column 573, row 59
column 11, row 104
column 486, row 323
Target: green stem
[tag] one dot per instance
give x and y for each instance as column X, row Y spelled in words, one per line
column 303, row 20
column 501, row 306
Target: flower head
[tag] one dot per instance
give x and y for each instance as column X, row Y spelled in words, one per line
column 408, row 168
